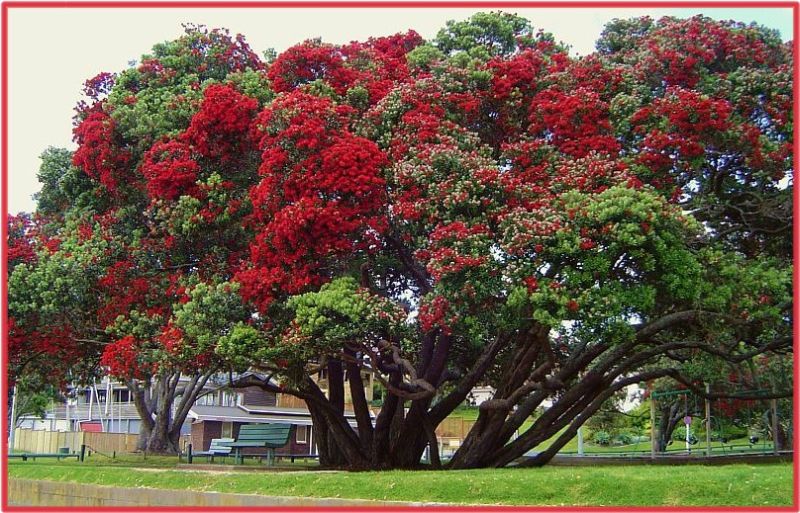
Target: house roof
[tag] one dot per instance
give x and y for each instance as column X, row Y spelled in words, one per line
column 236, row 414
column 264, row 415
column 290, row 411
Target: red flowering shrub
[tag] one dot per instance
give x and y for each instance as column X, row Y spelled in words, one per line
column 679, row 49
column 21, row 248
column 171, row 337
column 99, row 85
column 124, row 359
column 170, row 170
column 309, row 61
column 376, row 65
column 575, row 122
column 125, row 291
column 98, row 154
column 320, row 195
column 224, row 115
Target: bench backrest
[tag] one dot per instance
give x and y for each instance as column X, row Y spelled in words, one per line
column 271, row 435
column 220, row 445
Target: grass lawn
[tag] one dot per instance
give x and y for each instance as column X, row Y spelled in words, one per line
column 740, row 485
column 740, row 445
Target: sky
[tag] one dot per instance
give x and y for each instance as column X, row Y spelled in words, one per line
column 53, row 51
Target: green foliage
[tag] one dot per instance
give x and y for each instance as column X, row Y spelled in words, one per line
column 145, row 114
column 33, row 397
column 601, row 437
column 139, row 324
column 213, row 312
column 624, row 438
column 341, row 311
column 424, row 56
column 485, row 35
column 620, row 35
column 243, row 345
column 62, row 282
column 640, row 254
column 253, row 84
column 63, row 185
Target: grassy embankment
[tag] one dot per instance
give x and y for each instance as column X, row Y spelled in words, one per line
column 741, row 485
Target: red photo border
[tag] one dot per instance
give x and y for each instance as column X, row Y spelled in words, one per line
column 7, row 6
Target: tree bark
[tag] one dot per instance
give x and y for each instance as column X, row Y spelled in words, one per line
column 160, row 429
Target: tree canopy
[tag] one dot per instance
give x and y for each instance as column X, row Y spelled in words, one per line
column 477, row 208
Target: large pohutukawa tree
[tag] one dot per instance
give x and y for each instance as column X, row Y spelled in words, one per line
column 479, row 208
column 558, row 227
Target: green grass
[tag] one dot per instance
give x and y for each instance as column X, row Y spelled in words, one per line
column 470, row 413
column 741, row 445
column 740, row 485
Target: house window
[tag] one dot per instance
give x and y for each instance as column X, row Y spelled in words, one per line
column 227, row 430
column 302, row 435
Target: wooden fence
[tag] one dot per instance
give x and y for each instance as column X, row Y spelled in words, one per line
column 28, row 440
column 290, row 401
column 454, row 427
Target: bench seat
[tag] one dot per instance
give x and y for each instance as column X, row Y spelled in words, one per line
column 218, row 447
column 269, row 436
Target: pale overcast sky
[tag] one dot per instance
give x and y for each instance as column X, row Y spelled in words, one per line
column 52, row 52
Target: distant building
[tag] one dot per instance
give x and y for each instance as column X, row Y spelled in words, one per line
column 105, row 406
column 480, row 395
column 219, row 412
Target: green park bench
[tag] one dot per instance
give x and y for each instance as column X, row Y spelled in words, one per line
column 219, row 447
column 269, row 436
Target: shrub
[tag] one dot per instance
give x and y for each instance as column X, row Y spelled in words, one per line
column 624, row 438
column 601, row 437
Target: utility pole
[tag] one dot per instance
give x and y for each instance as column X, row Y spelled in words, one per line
column 653, row 429
column 708, row 421
column 774, row 404
column 11, row 424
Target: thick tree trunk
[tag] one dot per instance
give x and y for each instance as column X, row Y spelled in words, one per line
column 343, row 446
column 670, row 415
column 533, row 371
column 486, row 436
column 327, row 447
column 160, row 429
column 360, row 406
column 160, row 441
column 381, row 439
